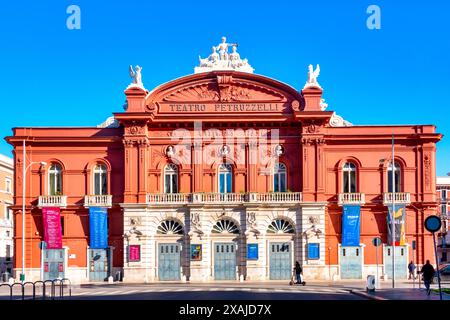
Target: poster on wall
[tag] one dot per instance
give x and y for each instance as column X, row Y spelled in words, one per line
column 313, row 251
column 52, row 227
column 134, row 253
column 196, row 252
column 252, row 251
column 399, row 223
column 350, row 225
column 98, row 228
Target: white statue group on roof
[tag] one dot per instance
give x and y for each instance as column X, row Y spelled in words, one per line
column 221, row 59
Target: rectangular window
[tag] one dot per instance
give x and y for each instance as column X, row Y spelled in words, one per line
column 443, row 209
column 228, row 183
column 62, row 225
column 167, row 184
column 8, row 188
column 8, row 252
column 282, row 183
column 8, row 214
column 352, row 182
column 174, row 184
column 443, row 194
column 276, row 186
column 221, row 183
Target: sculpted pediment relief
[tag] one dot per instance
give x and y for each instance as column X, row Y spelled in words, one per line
column 222, row 92
column 233, row 92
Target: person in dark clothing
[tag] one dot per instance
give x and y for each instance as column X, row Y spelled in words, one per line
column 298, row 272
column 411, row 268
column 428, row 274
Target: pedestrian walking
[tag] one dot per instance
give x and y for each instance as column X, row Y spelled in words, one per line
column 298, row 273
column 411, row 268
column 428, row 274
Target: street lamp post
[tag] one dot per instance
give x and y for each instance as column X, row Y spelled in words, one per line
column 24, row 172
column 393, row 214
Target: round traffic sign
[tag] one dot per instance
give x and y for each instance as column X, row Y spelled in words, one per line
column 433, row 223
column 376, row 241
column 42, row 245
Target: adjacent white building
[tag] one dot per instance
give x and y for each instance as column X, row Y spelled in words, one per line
column 6, row 217
column 443, row 196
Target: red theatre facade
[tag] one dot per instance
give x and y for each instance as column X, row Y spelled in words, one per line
column 222, row 175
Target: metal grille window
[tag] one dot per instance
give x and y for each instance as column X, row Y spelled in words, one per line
column 171, row 178
column 170, row 227
column 225, row 226
column 55, row 180
column 349, row 179
column 280, row 226
column 100, row 180
column 279, row 178
column 225, row 178
column 397, row 181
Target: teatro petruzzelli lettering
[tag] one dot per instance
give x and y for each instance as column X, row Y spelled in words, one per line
column 225, row 107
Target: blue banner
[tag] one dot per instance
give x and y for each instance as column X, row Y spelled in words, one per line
column 98, row 228
column 252, row 251
column 350, row 225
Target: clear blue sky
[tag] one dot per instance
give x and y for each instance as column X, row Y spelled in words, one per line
column 53, row 76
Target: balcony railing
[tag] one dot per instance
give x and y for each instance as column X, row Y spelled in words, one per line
column 351, row 198
column 223, row 198
column 98, row 201
column 399, row 198
column 52, row 201
column 279, row 197
column 168, row 198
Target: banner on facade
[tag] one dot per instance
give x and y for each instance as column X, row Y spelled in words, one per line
column 350, row 225
column 52, row 227
column 196, row 252
column 134, row 253
column 252, row 251
column 399, row 223
column 98, row 228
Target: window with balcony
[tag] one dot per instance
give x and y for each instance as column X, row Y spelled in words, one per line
column 225, row 178
column 171, row 178
column 279, row 178
column 55, row 180
column 100, row 180
column 349, row 178
column 397, row 178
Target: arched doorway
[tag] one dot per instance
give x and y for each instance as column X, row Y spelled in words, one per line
column 280, row 249
column 169, row 234
column 224, row 249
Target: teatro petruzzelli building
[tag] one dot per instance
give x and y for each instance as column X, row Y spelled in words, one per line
column 222, row 174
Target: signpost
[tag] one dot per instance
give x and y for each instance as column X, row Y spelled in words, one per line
column 376, row 242
column 413, row 245
column 433, row 224
column 42, row 246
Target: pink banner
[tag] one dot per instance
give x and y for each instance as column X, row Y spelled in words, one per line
column 52, row 228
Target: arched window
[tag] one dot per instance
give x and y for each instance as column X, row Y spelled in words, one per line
column 225, row 226
column 55, row 180
column 225, row 178
column 100, row 179
column 397, row 179
column 349, row 178
column 171, row 178
column 280, row 226
column 170, row 227
column 279, row 178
